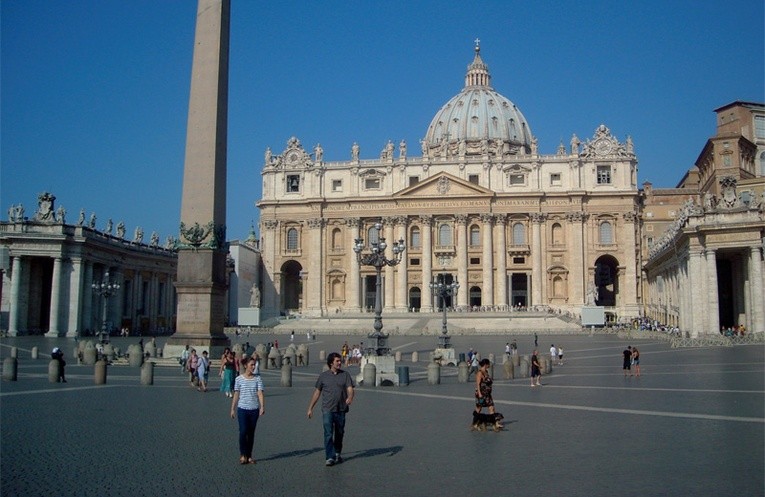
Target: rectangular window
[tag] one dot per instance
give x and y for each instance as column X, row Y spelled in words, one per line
column 517, row 180
column 555, row 179
column 372, row 183
column 414, row 262
column 337, row 185
column 475, row 261
column 293, row 183
column 473, row 178
column 604, row 175
column 413, row 180
column 519, row 260
column 759, row 126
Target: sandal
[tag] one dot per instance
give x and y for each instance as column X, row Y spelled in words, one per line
column 243, row 460
column 251, row 461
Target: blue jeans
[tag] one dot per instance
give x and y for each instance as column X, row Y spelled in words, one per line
column 334, row 429
column 248, row 420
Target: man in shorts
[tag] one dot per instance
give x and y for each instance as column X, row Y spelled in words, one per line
column 626, row 365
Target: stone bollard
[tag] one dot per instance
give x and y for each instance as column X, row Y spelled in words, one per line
column 549, row 365
column 35, row 353
column 516, row 360
column 542, row 363
column 274, row 358
column 11, row 368
column 524, row 367
column 150, row 348
column 289, row 356
column 509, row 370
column 15, row 352
column 89, row 356
column 159, row 353
column 398, row 356
column 434, row 373
column 135, row 355
column 403, row 375
column 53, row 371
column 147, row 373
column 370, row 375
column 415, row 356
column 302, row 355
column 99, row 372
column 462, row 372
column 287, row 375
column 322, row 356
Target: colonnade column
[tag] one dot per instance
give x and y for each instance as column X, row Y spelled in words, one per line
column 577, row 259
column 389, row 285
column 14, row 312
column 426, row 223
column 697, row 284
column 537, row 218
column 314, row 297
column 501, row 277
column 713, row 308
column 55, row 299
column 488, row 261
column 87, row 298
column 755, row 276
column 461, row 221
column 352, row 297
column 402, row 273
column 75, row 299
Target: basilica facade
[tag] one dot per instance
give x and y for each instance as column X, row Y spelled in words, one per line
column 478, row 204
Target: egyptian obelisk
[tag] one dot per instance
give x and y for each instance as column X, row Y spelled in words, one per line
column 201, row 281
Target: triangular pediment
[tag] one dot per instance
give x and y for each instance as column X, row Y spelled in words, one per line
column 444, row 185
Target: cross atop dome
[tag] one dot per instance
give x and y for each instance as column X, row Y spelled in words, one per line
column 477, row 45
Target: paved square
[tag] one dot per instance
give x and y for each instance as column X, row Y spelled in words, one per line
column 692, row 424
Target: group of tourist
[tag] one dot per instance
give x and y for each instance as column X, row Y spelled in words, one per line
column 631, row 357
column 351, row 355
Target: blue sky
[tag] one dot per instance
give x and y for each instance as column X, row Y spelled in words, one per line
column 94, row 93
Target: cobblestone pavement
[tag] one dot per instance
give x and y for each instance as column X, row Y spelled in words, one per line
column 692, row 424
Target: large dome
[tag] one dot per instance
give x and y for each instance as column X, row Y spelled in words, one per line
column 479, row 115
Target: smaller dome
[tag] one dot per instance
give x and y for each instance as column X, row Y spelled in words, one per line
column 479, row 115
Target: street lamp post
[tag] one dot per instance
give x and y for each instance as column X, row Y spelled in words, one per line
column 105, row 289
column 443, row 290
column 378, row 260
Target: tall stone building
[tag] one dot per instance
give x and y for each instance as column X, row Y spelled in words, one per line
column 478, row 203
column 704, row 270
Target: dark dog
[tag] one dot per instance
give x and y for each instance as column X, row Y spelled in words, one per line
column 483, row 421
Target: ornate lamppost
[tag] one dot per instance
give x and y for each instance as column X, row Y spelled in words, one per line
column 378, row 260
column 443, row 290
column 105, row 289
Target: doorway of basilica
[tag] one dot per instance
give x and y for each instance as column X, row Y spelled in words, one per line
column 291, row 287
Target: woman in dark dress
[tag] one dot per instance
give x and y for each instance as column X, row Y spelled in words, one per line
column 483, row 387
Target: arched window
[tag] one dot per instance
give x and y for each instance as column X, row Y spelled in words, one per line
column 519, row 234
column 762, row 164
column 292, row 239
column 414, row 237
column 475, row 236
column 444, row 235
column 337, row 239
column 606, row 233
column 557, row 234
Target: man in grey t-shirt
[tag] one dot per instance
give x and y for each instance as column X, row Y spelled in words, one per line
column 335, row 386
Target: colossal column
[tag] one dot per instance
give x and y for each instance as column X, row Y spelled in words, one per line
column 501, row 246
column 388, row 284
column 713, row 309
column 13, row 318
column 537, row 218
column 201, row 282
column 401, row 269
column 755, row 277
column 352, row 297
column 55, row 299
column 75, row 302
column 461, row 220
column 488, row 263
column 577, row 259
column 313, row 300
column 426, row 222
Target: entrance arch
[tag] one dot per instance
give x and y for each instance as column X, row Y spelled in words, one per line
column 607, row 280
column 291, row 287
column 415, row 299
column 475, row 297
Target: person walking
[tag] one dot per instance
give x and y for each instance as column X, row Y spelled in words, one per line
column 203, row 365
column 536, row 372
column 536, row 340
column 227, row 372
column 335, row 387
column 626, row 363
column 553, row 354
column 184, row 358
column 192, row 366
column 247, row 405
column 636, row 360
column 58, row 355
column 473, row 365
column 483, row 386
column 560, row 355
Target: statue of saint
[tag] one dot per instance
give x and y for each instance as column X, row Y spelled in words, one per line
column 355, row 151
column 255, row 296
column 318, row 153
column 61, row 214
column 121, row 230
column 268, row 156
column 81, row 219
column 109, row 226
column 630, row 146
column 138, row 235
column 389, row 150
column 154, row 239
column 12, row 213
column 402, row 150
column 92, row 222
column 534, row 145
column 20, row 213
column 575, row 144
column 592, row 294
